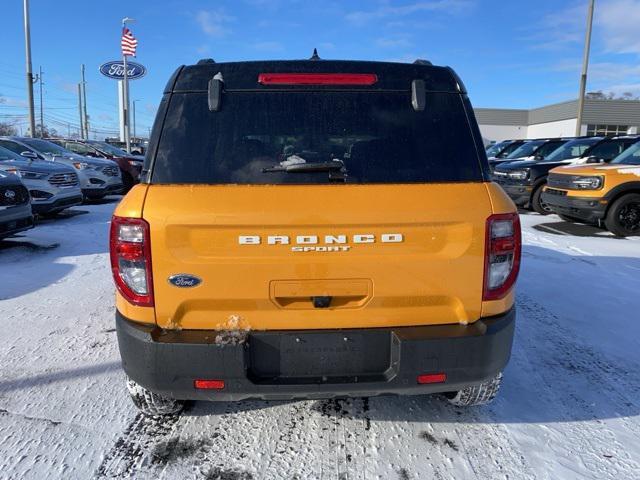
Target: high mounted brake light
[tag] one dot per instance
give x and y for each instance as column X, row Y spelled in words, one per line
column 502, row 255
column 130, row 251
column 317, row 78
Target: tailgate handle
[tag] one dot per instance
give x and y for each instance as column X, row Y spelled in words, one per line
column 321, row 302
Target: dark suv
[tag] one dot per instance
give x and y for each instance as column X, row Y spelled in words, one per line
column 532, row 150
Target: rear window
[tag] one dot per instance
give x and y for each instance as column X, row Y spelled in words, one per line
column 375, row 136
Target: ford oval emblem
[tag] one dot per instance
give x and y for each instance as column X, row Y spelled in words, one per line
column 115, row 70
column 184, row 280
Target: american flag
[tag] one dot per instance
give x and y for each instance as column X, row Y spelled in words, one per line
column 128, row 43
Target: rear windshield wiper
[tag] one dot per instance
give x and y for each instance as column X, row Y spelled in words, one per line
column 308, row 167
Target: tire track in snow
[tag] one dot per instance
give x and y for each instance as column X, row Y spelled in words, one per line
column 129, row 454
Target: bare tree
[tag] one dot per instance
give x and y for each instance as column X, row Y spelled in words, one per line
column 7, row 128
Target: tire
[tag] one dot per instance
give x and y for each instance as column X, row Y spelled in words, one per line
column 537, row 204
column 480, row 394
column 127, row 182
column 623, row 216
column 153, row 404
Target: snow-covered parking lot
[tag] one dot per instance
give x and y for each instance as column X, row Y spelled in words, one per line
column 570, row 406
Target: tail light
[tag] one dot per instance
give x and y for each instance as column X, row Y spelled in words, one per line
column 131, row 259
column 502, row 255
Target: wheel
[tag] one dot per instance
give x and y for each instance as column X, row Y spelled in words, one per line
column 623, row 216
column 151, row 403
column 537, row 204
column 480, row 394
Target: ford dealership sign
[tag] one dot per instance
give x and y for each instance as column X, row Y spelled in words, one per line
column 115, row 70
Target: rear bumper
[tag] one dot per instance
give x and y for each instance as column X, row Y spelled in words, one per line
column 169, row 362
column 587, row 209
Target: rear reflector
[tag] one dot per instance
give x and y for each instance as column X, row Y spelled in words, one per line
column 432, row 378
column 317, row 78
column 209, row 384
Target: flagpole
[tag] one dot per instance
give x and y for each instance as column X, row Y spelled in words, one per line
column 125, row 94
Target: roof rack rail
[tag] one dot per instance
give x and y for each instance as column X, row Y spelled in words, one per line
column 206, row 61
column 421, row 61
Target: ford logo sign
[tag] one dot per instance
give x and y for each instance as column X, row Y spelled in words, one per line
column 115, row 70
column 184, row 280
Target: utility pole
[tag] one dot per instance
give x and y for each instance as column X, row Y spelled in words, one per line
column 585, row 67
column 134, row 118
column 125, row 87
column 27, row 46
column 80, row 111
column 85, row 118
column 41, row 109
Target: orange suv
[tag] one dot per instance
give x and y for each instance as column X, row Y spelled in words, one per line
column 314, row 229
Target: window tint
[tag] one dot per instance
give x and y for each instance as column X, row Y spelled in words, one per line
column 509, row 150
column 377, row 136
column 631, row 156
column 525, row 149
column 79, row 148
column 609, row 150
column 572, row 149
column 547, row 148
column 13, row 146
column 496, row 148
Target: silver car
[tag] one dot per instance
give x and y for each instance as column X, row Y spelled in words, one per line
column 52, row 186
column 97, row 177
column 15, row 209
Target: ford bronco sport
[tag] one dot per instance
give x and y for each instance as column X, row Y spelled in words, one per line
column 608, row 194
column 314, row 229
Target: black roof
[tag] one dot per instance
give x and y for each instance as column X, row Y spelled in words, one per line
column 244, row 75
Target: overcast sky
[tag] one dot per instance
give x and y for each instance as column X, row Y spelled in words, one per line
column 515, row 54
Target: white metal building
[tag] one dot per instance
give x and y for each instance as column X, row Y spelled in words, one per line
column 600, row 117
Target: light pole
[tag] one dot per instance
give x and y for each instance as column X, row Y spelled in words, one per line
column 125, row 91
column 585, row 66
column 27, row 46
column 134, row 116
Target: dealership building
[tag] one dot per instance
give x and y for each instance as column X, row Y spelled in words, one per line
column 600, row 117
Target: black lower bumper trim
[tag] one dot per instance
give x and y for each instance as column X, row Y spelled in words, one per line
column 60, row 204
column 15, row 226
column 587, row 209
column 268, row 365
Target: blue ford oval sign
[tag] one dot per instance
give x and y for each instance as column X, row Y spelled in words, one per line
column 184, row 280
column 115, row 70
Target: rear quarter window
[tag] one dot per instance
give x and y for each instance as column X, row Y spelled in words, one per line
column 376, row 134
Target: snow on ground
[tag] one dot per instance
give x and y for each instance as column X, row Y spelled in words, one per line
column 569, row 407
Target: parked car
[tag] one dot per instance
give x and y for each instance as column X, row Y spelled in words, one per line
column 15, row 206
column 271, row 227
column 598, row 194
column 532, row 150
column 130, row 165
column 523, row 181
column 52, row 186
column 504, row 148
column 98, row 178
column 138, row 147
